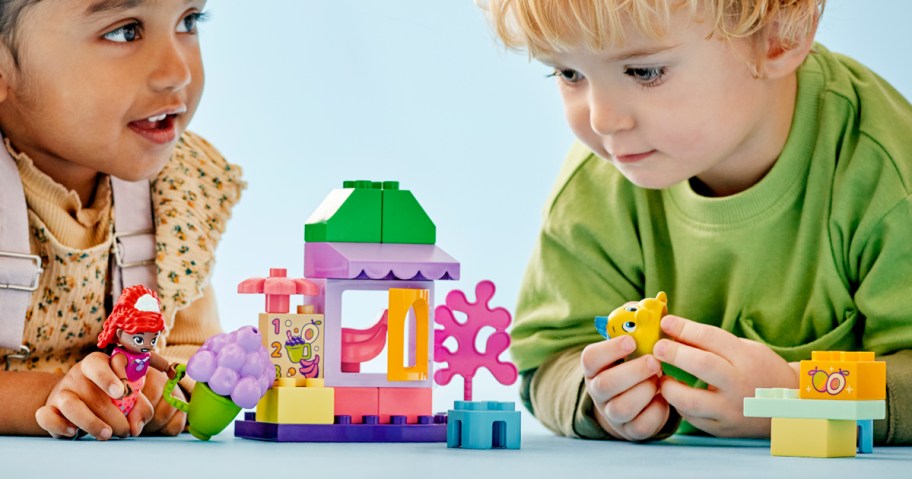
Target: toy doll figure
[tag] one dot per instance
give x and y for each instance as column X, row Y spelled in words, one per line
column 133, row 327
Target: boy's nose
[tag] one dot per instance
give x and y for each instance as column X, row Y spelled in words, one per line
column 172, row 69
column 607, row 114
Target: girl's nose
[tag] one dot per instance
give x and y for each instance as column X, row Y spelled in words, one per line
column 172, row 69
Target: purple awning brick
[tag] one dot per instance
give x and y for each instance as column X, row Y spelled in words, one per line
column 338, row 260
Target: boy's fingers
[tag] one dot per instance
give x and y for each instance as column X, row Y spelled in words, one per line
column 74, row 409
column 50, row 419
column 705, row 365
column 703, row 336
column 599, row 356
column 649, row 422
column 626, row 406
column 96, row 367
column 615, row 381
column 690, row 402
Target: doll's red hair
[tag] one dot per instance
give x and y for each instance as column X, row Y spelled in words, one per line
column 125, row 316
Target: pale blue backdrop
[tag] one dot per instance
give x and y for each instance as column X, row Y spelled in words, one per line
column 306, row 93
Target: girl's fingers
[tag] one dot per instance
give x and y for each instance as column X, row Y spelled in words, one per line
column 50, row 419
column 76, row 411
column 96, row 367
column 141, row 415
column 175, row 425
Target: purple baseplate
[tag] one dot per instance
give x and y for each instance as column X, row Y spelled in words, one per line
column 428, row 429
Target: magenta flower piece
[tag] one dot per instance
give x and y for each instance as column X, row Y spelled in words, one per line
column 465, row 360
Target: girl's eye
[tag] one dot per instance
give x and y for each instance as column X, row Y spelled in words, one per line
column 137, row 339
column 189, row 23
column 647, row 76
column 124, row 34
column 154, row 340
column 567, row 75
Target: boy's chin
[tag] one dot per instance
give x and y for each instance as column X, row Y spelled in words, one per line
column 650, row 182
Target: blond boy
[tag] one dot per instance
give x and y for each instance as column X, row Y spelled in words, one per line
column 760, row 180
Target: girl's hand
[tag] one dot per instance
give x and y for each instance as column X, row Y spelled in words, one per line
column 732, row 367
column 625, row 394
column 82, row 399
column 166, row 421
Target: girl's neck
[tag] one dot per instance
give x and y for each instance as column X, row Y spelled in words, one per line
column 79, row 179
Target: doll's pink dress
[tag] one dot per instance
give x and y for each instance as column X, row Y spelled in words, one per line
column 137, row 366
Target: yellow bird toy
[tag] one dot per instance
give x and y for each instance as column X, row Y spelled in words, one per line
column 640, row 321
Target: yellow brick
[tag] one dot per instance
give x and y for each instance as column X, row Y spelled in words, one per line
column 813, row 437
column 293, row 405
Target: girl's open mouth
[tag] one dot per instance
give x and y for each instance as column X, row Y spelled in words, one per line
column 157, row 129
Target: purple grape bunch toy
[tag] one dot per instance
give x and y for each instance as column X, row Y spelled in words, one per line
column 232, row 371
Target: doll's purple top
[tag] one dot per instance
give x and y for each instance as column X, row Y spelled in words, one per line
column 137, row 363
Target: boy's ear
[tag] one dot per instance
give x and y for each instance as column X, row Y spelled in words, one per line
column 781, row 59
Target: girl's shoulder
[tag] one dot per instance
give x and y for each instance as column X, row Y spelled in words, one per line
column 192, row 198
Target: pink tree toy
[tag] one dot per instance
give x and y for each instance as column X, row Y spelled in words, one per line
column 466, row 359
column 277, row 288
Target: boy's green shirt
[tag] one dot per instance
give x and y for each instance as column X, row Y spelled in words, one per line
column 815, row 256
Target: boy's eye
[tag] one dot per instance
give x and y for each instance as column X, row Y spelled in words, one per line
column 124, row 34
column 646, row 76
column 567, row 75
column 137, row 339
column 188, row 24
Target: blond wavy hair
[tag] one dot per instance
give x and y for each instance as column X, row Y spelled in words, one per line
column 545, row 27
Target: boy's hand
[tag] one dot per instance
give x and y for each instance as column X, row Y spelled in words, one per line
column 82, row 399
column 732, row 367
column 624, row 394
column 167, row 421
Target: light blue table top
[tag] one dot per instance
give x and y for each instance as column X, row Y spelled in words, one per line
column 542, row 456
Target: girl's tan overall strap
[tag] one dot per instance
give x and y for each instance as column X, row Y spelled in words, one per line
column 133, row 259
column 19, row 270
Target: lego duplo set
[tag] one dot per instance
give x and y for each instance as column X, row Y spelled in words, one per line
column 832, row 412
column 374, row 237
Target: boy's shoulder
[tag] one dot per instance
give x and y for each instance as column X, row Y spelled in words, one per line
column 583, row 177
column 876, row 117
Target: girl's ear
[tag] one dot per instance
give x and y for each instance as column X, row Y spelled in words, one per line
column 6, row 64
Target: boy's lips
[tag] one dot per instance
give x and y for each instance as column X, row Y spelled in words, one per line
column 159, row 129
column 633, row 158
